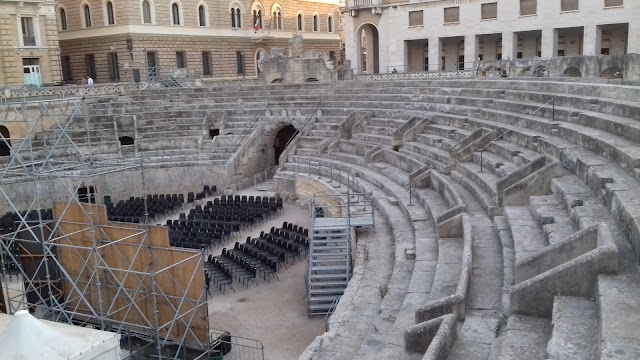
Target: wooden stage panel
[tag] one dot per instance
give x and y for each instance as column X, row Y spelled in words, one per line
column 177, row 273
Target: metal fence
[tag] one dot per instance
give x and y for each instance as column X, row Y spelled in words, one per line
column 225, row 346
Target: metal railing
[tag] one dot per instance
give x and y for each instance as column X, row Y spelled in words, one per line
column 229, row 347
column 334, row 304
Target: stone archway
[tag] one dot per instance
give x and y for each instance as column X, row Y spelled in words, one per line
column 282, row 138
column 572, row 72
column 5, row 141
column 367, row 42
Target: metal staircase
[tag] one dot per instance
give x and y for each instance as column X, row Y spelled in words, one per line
column 329, row 268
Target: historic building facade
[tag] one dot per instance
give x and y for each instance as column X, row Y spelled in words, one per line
column 111, row 40
column 29, row 53
column 437, row 35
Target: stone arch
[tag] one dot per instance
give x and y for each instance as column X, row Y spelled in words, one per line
column 368, row 61
column 284, row 133
column 259, row 54
column 126, row 140
column 5, row 141
column 613, row 72
column 572, row 72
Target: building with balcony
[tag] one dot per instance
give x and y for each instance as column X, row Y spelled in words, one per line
column 438, row 35
column 29, row 53
column 115, row 41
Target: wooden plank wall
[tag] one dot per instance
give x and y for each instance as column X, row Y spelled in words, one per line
column 155, row 257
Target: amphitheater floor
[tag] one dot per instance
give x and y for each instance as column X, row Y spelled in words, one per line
column 274, row 313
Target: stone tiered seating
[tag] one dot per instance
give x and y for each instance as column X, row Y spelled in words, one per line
column 523, row 210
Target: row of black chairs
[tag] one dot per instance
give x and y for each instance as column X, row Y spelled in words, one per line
column 206, row 191
column 220, row 273
column 10, row 220
column 133, row 210
column 292, row 228
column 242, row 269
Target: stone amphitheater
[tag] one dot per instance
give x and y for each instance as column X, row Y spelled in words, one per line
column 513, row 206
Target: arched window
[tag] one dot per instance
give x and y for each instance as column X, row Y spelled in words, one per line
column 146, row 12
column 257, row 18
column 111, row 20
column 175, row 14
column 315, row 23
column 63, row 19
column 300, row 22
column 86, row 10
column 202, row 16
column 330, row 24
column 236, row 17
column 276, row 17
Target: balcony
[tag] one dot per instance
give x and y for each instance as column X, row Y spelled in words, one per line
column 362, row 4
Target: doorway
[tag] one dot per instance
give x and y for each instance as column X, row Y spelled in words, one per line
column 368, row 49
column 31, row 69
column 283, row 137
column 5, row 141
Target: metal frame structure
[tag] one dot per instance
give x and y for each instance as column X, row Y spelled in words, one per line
column 90, row 290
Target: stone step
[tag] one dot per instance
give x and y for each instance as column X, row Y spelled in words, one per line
column 481, row 176
column 436, row 141
column 428, row 151
column 475, row 337
column 552, row 216
column 386, row 122
column 526, row 234
column 487, row 201
column 374, row 139
column 575, row 329
column 494, row 163
column 525, row 337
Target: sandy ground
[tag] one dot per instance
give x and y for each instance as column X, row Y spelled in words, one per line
column 274, row 313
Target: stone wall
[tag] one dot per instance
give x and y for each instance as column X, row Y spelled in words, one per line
column 222, row 54
column 11, row 50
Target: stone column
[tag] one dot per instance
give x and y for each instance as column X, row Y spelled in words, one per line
column 470, row 51
column 434, row 54
column 509, row 44
column 592, row 40
column 633, row 37
column 549, row 42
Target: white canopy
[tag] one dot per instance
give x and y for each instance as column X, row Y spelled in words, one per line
column 23, row 337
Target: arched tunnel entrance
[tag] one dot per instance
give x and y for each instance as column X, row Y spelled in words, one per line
column 5, row 144
column 284, row 135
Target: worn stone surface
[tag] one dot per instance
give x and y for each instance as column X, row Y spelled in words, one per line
column 575, row 329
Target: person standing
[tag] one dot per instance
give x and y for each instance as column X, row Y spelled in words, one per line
column 89, row 80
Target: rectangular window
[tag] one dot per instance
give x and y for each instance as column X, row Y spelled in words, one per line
column 180, row 60
column 604, row 51
column 114, row 67
column 90, row 66
column 66, row 68
column 611, row 3
column 519, row 55
column 415, row 18
column 240, row 62
column 569, row 5
column 490, row 11
column 28, row 32
column 528, row 7
column 452, row 15
column 560, row 52
column 206, row 63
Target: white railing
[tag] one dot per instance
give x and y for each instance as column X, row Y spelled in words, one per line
column 360, row 4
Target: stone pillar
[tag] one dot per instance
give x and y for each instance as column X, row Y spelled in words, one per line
column 592, row 39
column 470, row 51
column 549, row 42
column 633, row 37
column 509, row 44
column 434, row 54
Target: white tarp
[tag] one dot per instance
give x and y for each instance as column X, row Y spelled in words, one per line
column 23, row 337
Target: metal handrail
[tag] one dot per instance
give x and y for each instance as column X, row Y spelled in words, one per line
column 334, row 304
column 238, row 347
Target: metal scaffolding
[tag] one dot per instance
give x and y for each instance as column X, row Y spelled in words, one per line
column 72, row 264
